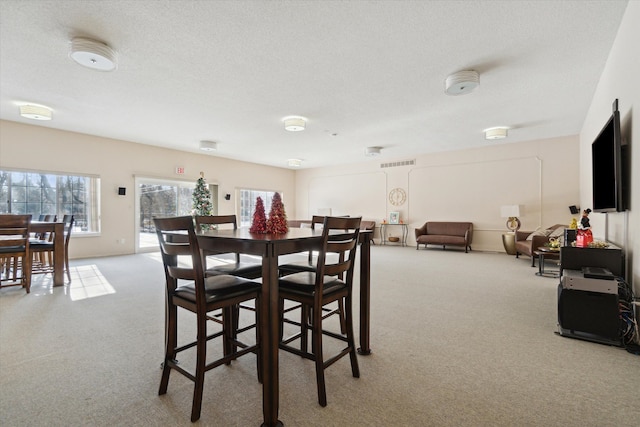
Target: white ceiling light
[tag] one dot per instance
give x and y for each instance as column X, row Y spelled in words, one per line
column 93, row 54
column 294, row 163
column 35, row 112
column 495, row 133
column 372, row 151
column 294, row 123
column 462, row 82
column 208, row 145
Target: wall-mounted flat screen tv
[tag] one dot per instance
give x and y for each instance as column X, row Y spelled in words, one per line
column 607, row 166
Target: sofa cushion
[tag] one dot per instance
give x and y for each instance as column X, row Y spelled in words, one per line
column 544, row 233
column 448, row 228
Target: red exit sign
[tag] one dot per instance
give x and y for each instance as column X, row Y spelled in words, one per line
column 179, row 170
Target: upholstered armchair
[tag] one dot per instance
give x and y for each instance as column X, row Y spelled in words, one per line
column 529, row 241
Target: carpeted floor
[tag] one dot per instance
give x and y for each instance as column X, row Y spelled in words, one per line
column 458, row 340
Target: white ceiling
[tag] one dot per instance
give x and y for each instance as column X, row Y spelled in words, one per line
column 364, row 73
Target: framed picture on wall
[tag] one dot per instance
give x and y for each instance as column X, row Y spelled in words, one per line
column 394, row 217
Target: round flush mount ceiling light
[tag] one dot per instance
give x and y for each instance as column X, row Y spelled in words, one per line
column 462, row 82
column 208, row 145
column 92, row 54
column 294, row 163
column 35, row 112
column 496, row 133
column 373, row 151
column 294, row 123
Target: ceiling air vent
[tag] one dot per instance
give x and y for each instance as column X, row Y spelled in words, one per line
column 395, row 164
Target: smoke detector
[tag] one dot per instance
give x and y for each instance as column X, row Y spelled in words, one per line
column 462, row 82
column 92, row 54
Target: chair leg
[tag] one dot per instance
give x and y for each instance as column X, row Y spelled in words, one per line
column 259, row 341
column 343, row 320
column 355, row 369
column 228, row 331
column 201, row 358
column 305, row 312
column 66, row 266
column 316, row 333
column 171, row 336
column 26, row 273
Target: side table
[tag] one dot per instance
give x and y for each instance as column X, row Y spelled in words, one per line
column 509, row 243
column 545, row 253
column 404, row 230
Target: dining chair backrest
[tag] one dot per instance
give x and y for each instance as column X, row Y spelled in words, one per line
column 339, row 236
column 181, row 258
column 220, row 221
column 14, row 233
column 204, row 222
column 47, row 236
column 14, row 243
column 68, row 221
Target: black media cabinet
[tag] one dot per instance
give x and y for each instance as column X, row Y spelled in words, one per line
column 588, row 308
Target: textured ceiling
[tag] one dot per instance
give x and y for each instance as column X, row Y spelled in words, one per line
column 364, row 73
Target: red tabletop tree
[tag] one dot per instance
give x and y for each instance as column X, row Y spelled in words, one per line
column 259, row 224
column 277, row 222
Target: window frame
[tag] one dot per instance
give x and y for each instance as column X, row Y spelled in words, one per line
column 87, row 222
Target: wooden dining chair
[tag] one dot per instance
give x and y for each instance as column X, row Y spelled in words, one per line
column 317, row 222
column 236, row 267
column 14, row 251
column 38, row 246
column 309, row 264
column 332, row 280
column 42, row 259
column 189, row 289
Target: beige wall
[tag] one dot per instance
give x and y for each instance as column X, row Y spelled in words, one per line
column 468, row 185
column 117, row 163
column 619, row 80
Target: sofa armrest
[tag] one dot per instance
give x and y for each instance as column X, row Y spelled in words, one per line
column 538, row 241
column 422, row 230
column 522, row 235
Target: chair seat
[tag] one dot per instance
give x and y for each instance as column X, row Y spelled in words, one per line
column 218, row 287
column 40, row 244
column 242, row 269
column 11, row 249
column 296, row 267
column 305, row 283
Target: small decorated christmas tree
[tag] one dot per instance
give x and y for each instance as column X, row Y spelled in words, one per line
column 277, row 222
column 202, row 199
column 259, row 224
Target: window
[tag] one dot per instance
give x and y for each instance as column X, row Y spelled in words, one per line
column 248, row 204
column 45, row 193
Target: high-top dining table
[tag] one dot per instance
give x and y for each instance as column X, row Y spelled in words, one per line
column 270, row 247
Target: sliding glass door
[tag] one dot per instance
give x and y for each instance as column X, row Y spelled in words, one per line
column 162, row 198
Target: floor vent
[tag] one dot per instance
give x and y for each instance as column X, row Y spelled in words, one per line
column 395, row 164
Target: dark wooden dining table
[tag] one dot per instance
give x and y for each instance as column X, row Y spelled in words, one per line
column 269, row 247
column 57, row 228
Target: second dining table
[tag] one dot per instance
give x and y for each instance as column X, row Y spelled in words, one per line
column 269, row 247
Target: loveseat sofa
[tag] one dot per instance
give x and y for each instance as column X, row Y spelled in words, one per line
column 445, row 233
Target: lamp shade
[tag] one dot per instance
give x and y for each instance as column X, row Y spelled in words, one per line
column 509, row 211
